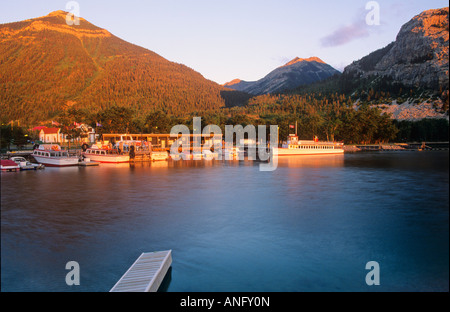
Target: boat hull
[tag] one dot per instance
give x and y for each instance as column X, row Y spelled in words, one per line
column 6, row 169
column 155, row 156
column 109, row 159
column 57, row 161
column 305, row 152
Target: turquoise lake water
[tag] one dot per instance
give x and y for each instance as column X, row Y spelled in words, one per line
column 310, row 225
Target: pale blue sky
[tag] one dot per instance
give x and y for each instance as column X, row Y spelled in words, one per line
column 243, row 39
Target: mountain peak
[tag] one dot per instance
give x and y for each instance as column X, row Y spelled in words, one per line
column 232, row 82
column 310, row 59
column 57, row 13
column 288, row 76
column 417, row 58
column 54, row 21
column 87, row 65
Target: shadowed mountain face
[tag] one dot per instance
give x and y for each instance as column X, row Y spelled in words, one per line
column 47, row 66
column 291, row 75
column 417, row 58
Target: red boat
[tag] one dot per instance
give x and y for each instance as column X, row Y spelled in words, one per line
column 9, row 165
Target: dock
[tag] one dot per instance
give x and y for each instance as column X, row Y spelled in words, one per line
column 146, row 274
column 88, row 163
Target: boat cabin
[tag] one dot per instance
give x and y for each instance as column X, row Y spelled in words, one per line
column 50, row 150
column 47, row 153
column 104, row 152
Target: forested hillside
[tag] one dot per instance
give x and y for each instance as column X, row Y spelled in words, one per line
column 47, row 66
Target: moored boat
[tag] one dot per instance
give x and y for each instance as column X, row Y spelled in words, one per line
column 51, row 155
column 8, row 165
column 209, row 155
column 233, row 153
column 186, row 155
column 25, row 164
column 296, row 147
column 159, row 155
column 105, row 155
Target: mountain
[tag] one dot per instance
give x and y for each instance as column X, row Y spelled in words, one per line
column 417, row 58
column 47, row 66
column 291, row 75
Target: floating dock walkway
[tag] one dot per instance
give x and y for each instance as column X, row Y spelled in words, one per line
column 88, row 163
column 146, row 274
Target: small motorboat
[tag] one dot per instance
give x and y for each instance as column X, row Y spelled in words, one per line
column 8, row 165
column 25, row 164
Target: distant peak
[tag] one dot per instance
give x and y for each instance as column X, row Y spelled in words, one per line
column 58, row 13
column 311, row 59
column 232, row 82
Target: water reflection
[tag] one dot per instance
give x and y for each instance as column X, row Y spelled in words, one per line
column 316, row 161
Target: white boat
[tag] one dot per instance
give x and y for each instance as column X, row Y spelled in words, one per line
column 8, row 165
column 186, row 155
column 25, row 164
column 159, row 155
column 197, row 156
column 105, row 155
column 208, row 155
column 175, row 156
column 51, row 155
column 296, row 147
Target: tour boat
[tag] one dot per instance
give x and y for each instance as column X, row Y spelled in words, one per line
column 25, row 164
column 8, row 165
column 51, row 155
column 105, row 155
column 296, row 147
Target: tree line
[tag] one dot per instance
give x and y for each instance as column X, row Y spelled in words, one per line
column 330, row 116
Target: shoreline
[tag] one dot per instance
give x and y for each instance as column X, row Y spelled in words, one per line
column 413, row 146
column 432, row 146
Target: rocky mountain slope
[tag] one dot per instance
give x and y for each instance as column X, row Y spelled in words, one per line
column 417, row 58
column 291, row 75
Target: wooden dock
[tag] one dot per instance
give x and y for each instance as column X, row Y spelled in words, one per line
column 88, row 164
column 146, row 274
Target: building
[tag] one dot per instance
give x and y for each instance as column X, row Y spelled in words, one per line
column 51, row 135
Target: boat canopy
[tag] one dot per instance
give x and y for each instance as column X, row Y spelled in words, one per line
column 49, row 147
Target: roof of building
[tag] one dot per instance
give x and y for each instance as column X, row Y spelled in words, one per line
column 50, row 130
column 38, row 128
